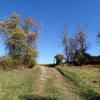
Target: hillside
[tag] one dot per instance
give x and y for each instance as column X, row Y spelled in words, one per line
column 39, row 83
column 85, row 78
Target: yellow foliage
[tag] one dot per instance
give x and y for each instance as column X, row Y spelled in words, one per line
column 18, row 31
column 14, row 15
column 17, row 40
column 30, row 21
column 32, row 52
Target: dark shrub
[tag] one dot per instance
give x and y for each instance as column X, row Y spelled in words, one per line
column 59, row 58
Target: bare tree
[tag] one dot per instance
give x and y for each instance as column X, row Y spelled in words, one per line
column 73, row 46
column 82, row 47
column 65, row 43
column 98, row 37
column 80, row 36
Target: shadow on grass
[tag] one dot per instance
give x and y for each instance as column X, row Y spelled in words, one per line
column 50, row 65
column 30, row 97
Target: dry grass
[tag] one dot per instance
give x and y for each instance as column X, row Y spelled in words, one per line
column 14, row 84
column 87, row 79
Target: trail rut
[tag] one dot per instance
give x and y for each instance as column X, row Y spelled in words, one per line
column 52, row 84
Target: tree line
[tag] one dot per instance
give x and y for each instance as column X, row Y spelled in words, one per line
column 20, row 37
column 75, row 49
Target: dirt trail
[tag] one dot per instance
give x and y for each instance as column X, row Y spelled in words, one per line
column 52, row 84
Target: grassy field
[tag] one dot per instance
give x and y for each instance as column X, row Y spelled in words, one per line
column 39, row 83
column 86, row 79
column 16, row 85
column 46, row 83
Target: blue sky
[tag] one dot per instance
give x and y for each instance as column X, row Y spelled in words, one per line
column 53, row 14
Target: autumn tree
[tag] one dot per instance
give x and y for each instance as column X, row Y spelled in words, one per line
column 20, row 37
column 59, row 58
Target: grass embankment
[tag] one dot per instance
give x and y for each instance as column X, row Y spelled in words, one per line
column 17, row 85
column 86, row 79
